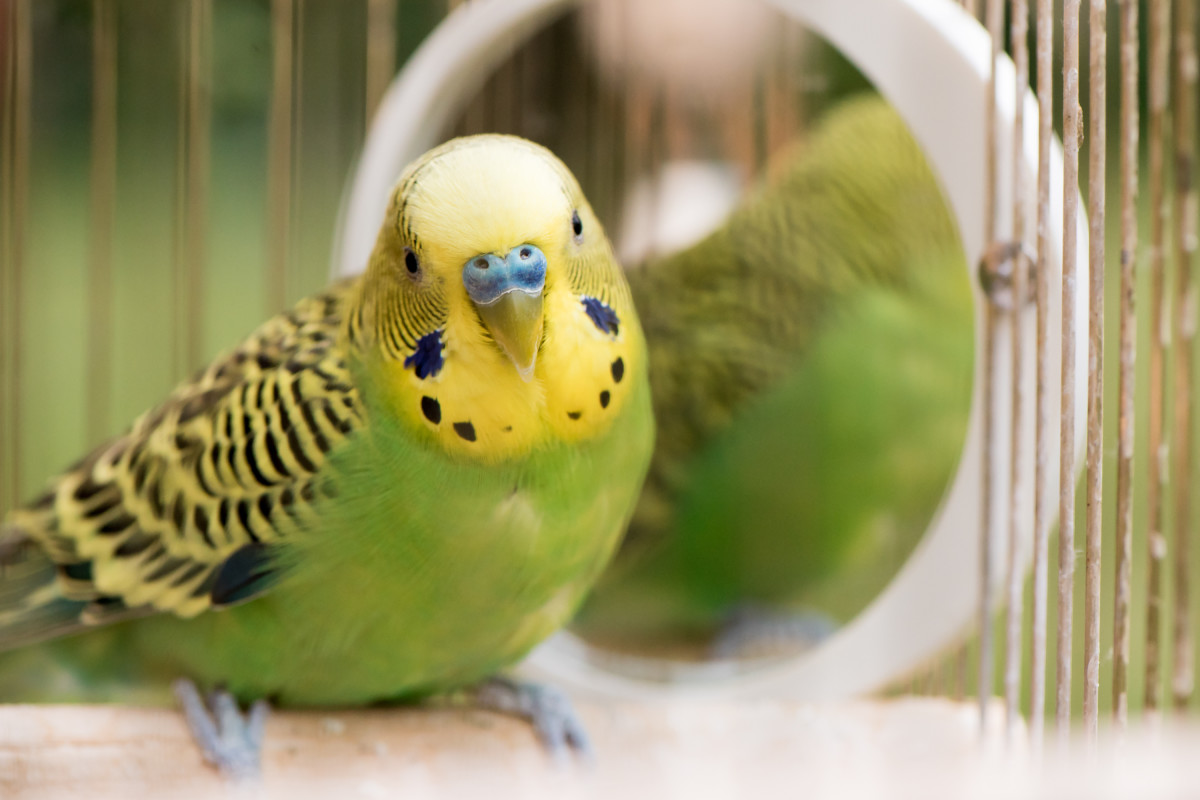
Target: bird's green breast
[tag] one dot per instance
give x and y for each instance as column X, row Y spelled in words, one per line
column 427, row 572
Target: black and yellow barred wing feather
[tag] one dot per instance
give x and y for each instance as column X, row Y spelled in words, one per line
column 178, row 513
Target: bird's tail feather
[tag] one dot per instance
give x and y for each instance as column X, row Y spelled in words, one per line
column 33, row 606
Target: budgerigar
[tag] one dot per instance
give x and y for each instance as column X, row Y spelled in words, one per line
column 811, row 372
column 397, row 488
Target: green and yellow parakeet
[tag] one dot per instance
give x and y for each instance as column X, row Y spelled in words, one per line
column 396, row 488
column 811, row 372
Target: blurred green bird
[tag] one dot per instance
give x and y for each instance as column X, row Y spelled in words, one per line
column 811, row 366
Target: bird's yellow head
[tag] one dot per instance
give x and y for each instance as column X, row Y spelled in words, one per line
column 493, row 313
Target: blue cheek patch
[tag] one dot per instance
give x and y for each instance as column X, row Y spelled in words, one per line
column 428, row 359
column 601, row 315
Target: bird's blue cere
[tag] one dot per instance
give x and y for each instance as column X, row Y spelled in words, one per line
column 488, row 277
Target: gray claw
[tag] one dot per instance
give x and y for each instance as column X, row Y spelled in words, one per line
column 229, row 740
column 546, row 708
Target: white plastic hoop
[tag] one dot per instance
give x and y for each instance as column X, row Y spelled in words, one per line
column 929, row 58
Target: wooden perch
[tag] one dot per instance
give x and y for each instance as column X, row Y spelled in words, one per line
column 669, row 750
column 901, row 748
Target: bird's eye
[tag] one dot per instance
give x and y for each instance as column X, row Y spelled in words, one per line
column 410, row 261
column 576, row 225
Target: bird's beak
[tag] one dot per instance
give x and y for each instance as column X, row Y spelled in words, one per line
column 507, row 292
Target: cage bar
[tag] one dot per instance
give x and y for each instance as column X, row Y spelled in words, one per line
column 103, row 211
column 381, row 52
column 1160, row 342
column 1070, row 273
column 1123, row 554
column 1184, row 245
column 280, row 149
column 1042, row 500
column 17, row 140
column 1017, row 522
column 994, row 12
column 194, row 157
column 7, row 241
column 1097, row 24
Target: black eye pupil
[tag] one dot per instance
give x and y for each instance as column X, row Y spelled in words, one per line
column 410, row 261
column 576, row 224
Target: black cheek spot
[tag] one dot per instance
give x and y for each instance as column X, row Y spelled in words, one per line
column 604, row 398
column 602, row 315
column 427, row 360
column 574, row 414
column 432, row 409
column 618, row 370
column 466, row 430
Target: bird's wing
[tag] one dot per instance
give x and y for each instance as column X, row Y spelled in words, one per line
column 178, row 513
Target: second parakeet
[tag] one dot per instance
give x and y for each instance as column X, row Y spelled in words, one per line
column 811, row 365
column 396, row 488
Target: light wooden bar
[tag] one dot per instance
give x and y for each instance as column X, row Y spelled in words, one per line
column 906, row 748
column 1184, row 240
column 16, row 140
column 1123, row 555
column 1043, row 510
column 1160, row 341
column 994, row 13
column 693, row 750
column 381, row 52
column 103, row 215
column 1017, row 517
column 194, row 158
column 280, row 147
column 1070, row 272
column 1097, row 70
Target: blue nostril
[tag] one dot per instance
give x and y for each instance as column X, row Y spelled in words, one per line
column 527, row 268
column 487, row 277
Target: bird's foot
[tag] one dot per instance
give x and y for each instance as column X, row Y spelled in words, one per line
column 753, row 631
column 548, row 709
column 228, row 739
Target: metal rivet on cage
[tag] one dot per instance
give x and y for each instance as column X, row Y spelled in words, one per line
column 996, row 273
